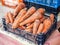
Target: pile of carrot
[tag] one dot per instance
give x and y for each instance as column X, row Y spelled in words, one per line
column 31, row 20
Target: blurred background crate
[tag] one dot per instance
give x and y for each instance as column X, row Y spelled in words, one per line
column 50, row 3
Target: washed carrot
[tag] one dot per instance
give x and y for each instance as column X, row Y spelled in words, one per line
column 7, row 18
column 41, row 10
column 47, row 24
column 52, row 17
column 42, row 19
column 32, row 18
column 20, row 1
column 11, row 18
column 18, row 8
column 16, row 22
column 30, row 26
column 22, row 27
column 35, row 26
column 20, row 14
column 28, row 14
column 40, row 28
column 28, row 30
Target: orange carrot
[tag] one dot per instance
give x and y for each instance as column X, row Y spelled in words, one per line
column 28, row 14
column 41, row 10
column 42, row 19
column 47, row 24
column 22, row 27
column 20, row 1
column 7, row 18
column 20, row 14
column 16, row 22
column 18, row 8
column 30, row 26
column 32, row 18
column 52, row 17
column 10, row 17
column 35, row 26
column 28, row 29
column 40, row 28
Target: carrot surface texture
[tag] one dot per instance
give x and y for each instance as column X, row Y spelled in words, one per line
column 7, row 18
column 40, row 28
column 35, row 26
column 36, row 15
column 29, row 13
column 18, row 8
column 52, row 17
column 28, row 30
column 16, row 22
column 47, row 24
column 30, row 26
column 11, row 18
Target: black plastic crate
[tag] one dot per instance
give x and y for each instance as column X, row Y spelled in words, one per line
column 38, row 39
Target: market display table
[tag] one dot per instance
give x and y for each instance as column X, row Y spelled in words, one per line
column 5, row 40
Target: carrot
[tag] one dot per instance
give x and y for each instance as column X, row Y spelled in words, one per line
column 20, row 1
column 16, row 22
column 18, row 8
column 35, row 26
column 22, row 27
column 42, row 19
column 41, row 10
column 10, row 17
column 52, row 17
column 47, row 24
column 7, row 18
column 40, row 28
column 28, row 29
column 20, row 13
column 30, row 26
column 32, row 18
column 28, row 14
